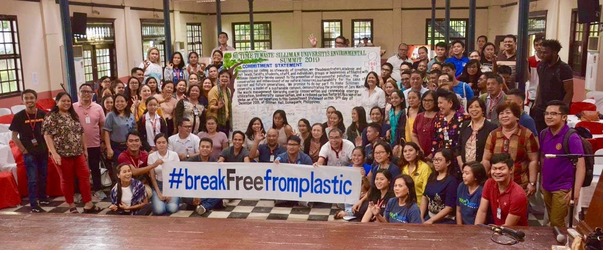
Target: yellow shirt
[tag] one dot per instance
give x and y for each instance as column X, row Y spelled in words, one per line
column 420, row 175
column 410, row 121
column 213, row 100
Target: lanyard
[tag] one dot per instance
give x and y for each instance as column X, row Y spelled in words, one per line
column 32, row 122
column 136, row 164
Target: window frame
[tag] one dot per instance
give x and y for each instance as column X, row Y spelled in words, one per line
column 236, row 40
column 194, row 46
column 15, row 57
column 587, row 30
column 331, row 41
column 155, row 37
column 353, row 29
column 440, row 38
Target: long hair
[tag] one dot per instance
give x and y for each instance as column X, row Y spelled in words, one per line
column 478, row 171
column 250, row 133
column 361, row 119
column 119, row 182
column 182, row 64
column 465, row 77
column 282, row 114
column 374, row 191
column 307, row 125
column 323, row 139
column 412, row 192
column 450, row 170
column 341, row 125
column 71, row 110
column 419, row 158
column 127, row 111
column 127, row 88
column 147, row 83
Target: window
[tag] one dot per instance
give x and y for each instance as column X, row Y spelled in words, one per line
column 537, row 26
column 194, row 38
column 581, row 34
column 361, row 29
column 241, row 35
column 152, row 35
column 98, row 49
column 458, row 30
column 331, row 29
column 11, row 71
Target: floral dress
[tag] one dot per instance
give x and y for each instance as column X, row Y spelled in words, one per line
column 66, row 133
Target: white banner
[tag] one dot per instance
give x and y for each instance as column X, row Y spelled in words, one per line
column 262, row 181
column 302, row 82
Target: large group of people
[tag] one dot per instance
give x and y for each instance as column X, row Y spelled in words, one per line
column 440, row 140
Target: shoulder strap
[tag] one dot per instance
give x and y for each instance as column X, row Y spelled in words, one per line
column 567, row 138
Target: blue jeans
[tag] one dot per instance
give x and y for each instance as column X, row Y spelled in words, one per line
column 209, row 204
column 36, row 167
column 160, row 207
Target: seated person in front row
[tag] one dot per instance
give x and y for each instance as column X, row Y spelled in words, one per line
column 440, row 196
column 204, row 205
column 293, row 154
column 128, row 195
column 403, row 208
column 237, row 153
column 506, row 199
column 379, row 194
column 136, row 157
column 266, row 153
column 337, row 151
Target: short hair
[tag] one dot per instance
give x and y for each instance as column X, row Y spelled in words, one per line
column 225, row 71
column 375, row 126
column 407, row 64
column 336, row 129
column 133, row 132
column 416, row 72
column 435, row 71
column 86, row 84
column 134, row 70
column 206, row 139
column 442, row 44
column 563, row 107
column 538, row 37
column 503, row 69
column 516, row 92
column 480, row 101
column 502, row 158
column 388, row 65
column 30, row 91
column 434, row 96
column 408, row 72
column 424, row 48
column 492, row 75
column 449, row 65
column 223, row 33
column 180, row 123
column 554, row 45
column 450, row 78
column 191, row 87
column 341, row 37
column 459, row 42
column 515, row 109
column 160, row 135
column 510, row 36
column 482, row 36
column 295, row 139
column 451, row 97
column 238, row 132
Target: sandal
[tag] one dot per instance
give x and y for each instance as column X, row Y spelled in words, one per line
column 73, row 210
column 94, row 209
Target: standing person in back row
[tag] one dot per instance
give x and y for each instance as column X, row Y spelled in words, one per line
column 223, row 47
column 27, row 135
column 558, row 172
column 555, row 81
column 398, row 59
column 459, row 59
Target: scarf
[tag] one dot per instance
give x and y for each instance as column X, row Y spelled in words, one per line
column 222, row 118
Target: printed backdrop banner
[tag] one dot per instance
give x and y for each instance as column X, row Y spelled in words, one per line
column 302, row 82
column 262, row 181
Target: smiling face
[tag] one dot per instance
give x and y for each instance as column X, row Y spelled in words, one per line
column 416, row 81
column 507, row 119
column 29, row 100
column 380, row 154
column 381, row 181
column 500, row 172
column 194, row 92
column 211, row 126
column 444, row 105
column 371, row 80
column 193, row 80
column 64, row 103
column 181, row 87
column 120, row 103
column 237, row 140
column 316, row 131
column 133, row 142
column 553, row 116
column 125, row 173
column 256, row 126
column 108, row 104
column 334, row 120
column 145, row 92
column 375, row 116
column 474, row 56
column 168, row 88
column 357, row 157
column 457, row 49
column 152, row 106
column 422, row 66
column 475, row 110
column 119, row 89
column 217, row 57
column 509, row 44
column 207, row 85
column 410, row 153
column 395, row 99
column 205, row 148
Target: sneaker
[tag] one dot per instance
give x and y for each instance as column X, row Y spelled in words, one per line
column 200, row 210
column 44, row 202
column 37, row 209
column 100, row 195
column 225, row 202
column 77, row 198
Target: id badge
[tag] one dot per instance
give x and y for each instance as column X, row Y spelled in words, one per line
column 271, row 158
column 87, row 119
column 499, row 213
column 34, row 142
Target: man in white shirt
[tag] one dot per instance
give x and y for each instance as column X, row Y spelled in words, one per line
column 184, row 142
column 337, row 151
column 398, row 59
column 223, row 47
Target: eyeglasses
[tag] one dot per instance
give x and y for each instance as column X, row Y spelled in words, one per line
column 438, row 159
column 86, row 91
column 552, row 113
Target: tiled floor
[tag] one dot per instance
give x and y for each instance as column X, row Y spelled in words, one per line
column 237, row 209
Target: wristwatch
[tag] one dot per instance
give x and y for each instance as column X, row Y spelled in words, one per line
column 187, row 156
column 531, row 183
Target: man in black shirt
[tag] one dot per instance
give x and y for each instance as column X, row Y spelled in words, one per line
column 555, row 81
column 27, row 135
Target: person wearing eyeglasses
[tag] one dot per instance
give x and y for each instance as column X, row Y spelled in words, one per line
column 184, row 142
column 519, row 142
column 92, row 119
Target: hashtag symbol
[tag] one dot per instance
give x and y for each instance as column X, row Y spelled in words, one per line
column 175, row 178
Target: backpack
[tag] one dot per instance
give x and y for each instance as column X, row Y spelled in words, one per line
column 584, row 134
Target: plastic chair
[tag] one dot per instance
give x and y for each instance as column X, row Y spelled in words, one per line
column 599, row 160
column 5, row 111
column 592, row 126
column 17, row 108
column 597, row 143
column 577, row 107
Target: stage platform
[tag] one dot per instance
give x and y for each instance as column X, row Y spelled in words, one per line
column 81, row 231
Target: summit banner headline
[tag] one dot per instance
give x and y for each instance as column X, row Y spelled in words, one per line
column 262, row 181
